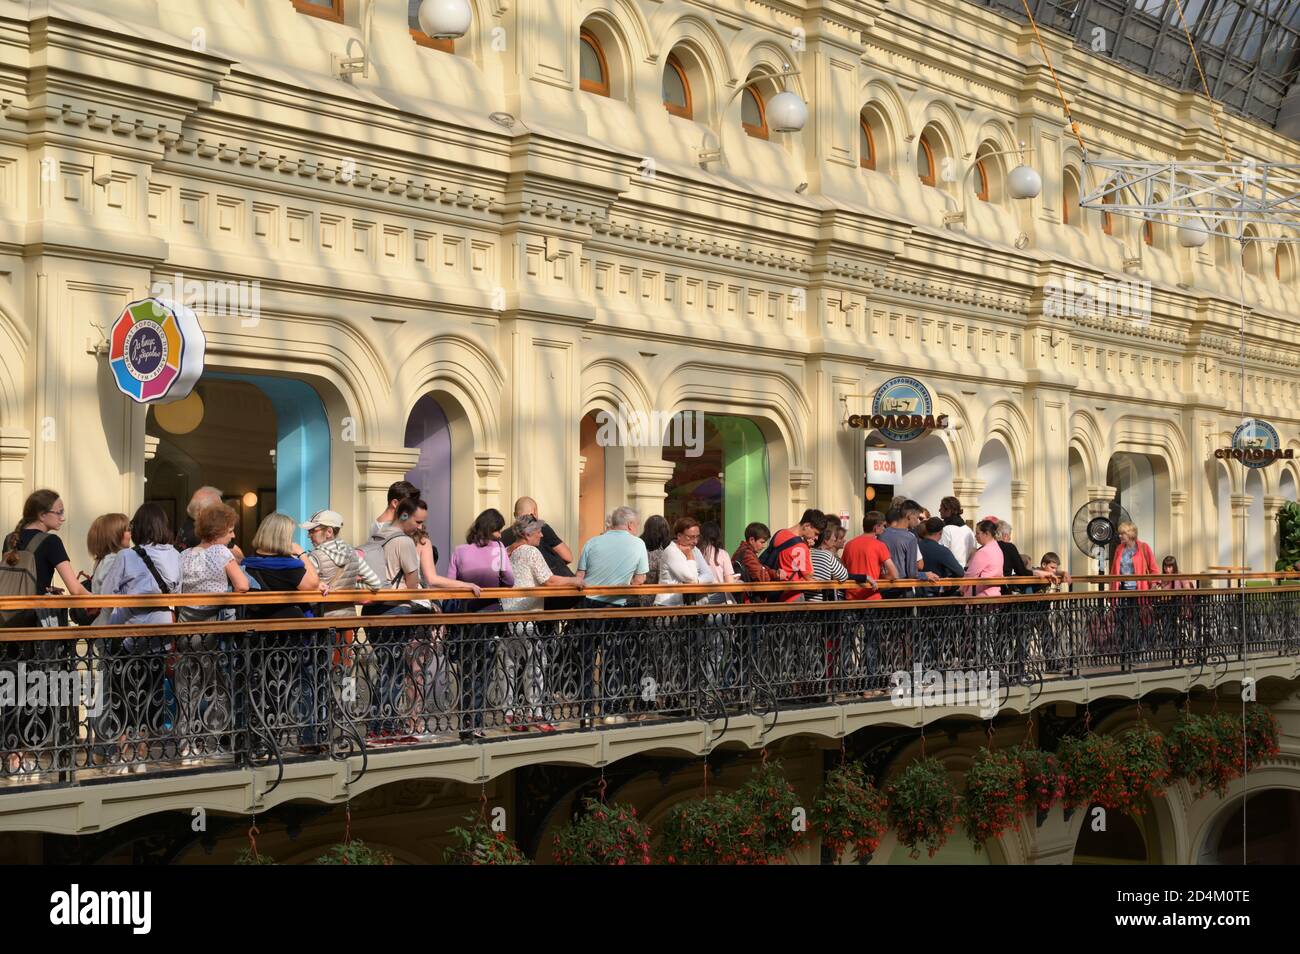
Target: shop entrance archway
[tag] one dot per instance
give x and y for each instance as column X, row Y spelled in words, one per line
column 1257, row 529
column 263, row 440
column 1123, row 840
column 925, row 473
column 440, row 429
column 1141, row 482
column 1272, row 831
column 727, row 482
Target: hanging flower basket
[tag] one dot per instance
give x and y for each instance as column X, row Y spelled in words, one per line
column 246, row 857
column 1044, row 780
column 604, row 835
column 1261, row 737
column 1091, row 766
column 995, row 795
column 766, row 806
column 850, row 811
column 480, row 845
column 923, row 806
column 701, row 832
column 1144, row 767
column 354, row 852
column 1205, row 751
column 752, row 826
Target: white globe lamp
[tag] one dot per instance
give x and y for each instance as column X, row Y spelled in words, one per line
column 1024, row 183
column 445, row 19
column 1189, row 236
column 787, row 112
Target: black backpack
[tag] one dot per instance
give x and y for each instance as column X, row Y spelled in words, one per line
column 771, row 555
column 738, row 568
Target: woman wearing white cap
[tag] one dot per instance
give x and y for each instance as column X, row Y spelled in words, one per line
column 337, row 562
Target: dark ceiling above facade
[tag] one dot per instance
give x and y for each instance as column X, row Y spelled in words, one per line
column 1249, row 49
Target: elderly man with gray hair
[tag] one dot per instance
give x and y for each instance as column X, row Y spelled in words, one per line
column 200, row 500
column 615, row 558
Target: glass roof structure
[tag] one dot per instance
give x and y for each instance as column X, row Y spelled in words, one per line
column 1250, row 49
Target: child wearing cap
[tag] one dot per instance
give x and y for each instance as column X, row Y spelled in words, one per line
column 337, row 562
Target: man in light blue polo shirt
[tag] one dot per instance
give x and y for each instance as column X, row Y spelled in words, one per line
column 615, row 558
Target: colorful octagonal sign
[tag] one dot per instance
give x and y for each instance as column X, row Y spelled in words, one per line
column 156, row 351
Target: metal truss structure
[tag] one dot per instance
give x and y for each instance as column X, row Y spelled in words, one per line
column 1242, row 200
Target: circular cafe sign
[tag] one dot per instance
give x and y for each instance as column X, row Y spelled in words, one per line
column 1256, row 444
column 902, row 410
column 155, row 349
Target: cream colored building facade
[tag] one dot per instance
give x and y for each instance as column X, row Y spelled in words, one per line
column 574, row 255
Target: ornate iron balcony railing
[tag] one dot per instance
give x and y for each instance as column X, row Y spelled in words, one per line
column 84, row 704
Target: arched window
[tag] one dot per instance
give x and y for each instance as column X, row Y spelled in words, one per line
column 1283, row 264
column 1148, row 232
column 753, row 114
column 1222, row 246
column 419, row 36
column 981, row 181
column 925, row 160
column 866, row 144
column 593, row 71
column 325, row 9
column 1251, row 253
column 1108, row 220
column 1070, row 212
column 677, row 89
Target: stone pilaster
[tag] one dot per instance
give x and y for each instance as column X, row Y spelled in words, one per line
column 489, row 468
column 15, row 445
column 1178, row 529
column 377, row 467
column 1240, row 504
column 801, row 481
column 1020, row 518
column 645, row 486
column 968, row 490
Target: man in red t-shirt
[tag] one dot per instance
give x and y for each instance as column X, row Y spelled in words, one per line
column 796, row 558
column 867, row 556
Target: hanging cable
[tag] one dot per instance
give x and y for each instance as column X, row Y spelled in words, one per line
column 1047, row 58
column 1205, row 85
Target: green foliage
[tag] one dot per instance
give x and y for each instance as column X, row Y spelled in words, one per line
column 1202, row 751
column 1288, row 537
column 1144, row 766
column 354, row 852
column 850, row 811
column 1091, row 768
column 1044, row 780
column 604, row 835
column 1115, row 772
column 1261, row 738
column 480, row 845
column 923, row 806
column 995, row 795
column 246, row 857
column 752, row 826
column 1212, row 750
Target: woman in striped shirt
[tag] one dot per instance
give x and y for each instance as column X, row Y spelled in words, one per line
column 826, row 566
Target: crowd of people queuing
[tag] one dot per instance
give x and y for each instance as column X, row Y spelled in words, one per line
column 143, row 555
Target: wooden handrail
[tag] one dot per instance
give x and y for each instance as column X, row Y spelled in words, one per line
column 316, row 624
column 280, row 598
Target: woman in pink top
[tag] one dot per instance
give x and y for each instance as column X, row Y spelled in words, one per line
column 718, row 559
column 1170, row 567
column 986, row 561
